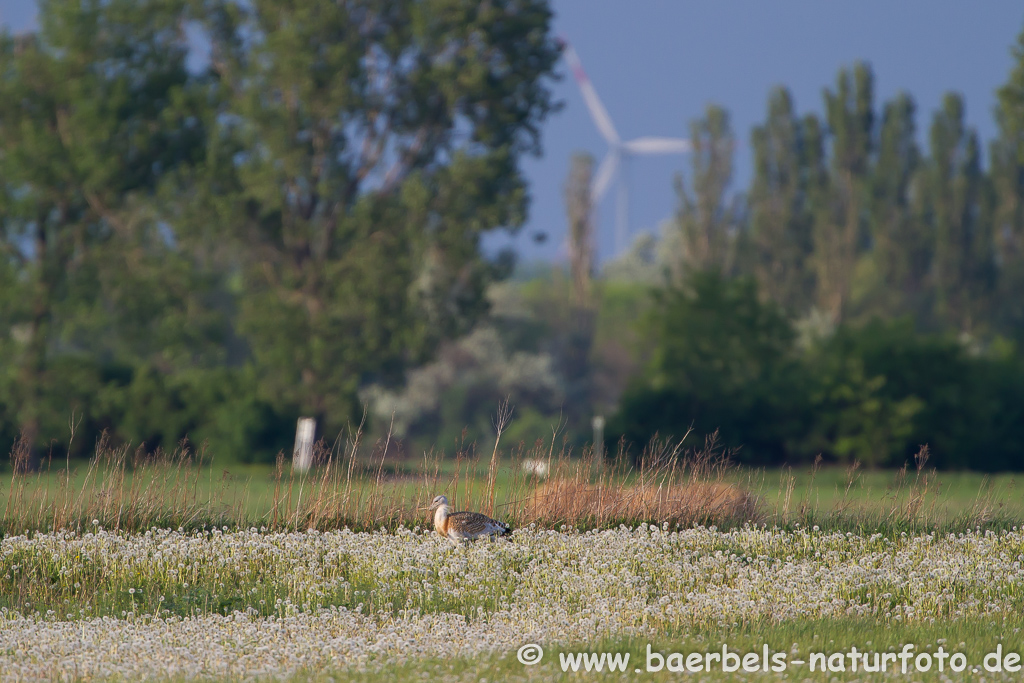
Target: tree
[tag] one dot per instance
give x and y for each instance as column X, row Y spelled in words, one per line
column 898, row 257
column 884, row 389
column 373, row 144
column 574, row 345
column 93, row 114
column 1007, row 173
column 779, row 207
column 839, row 231
column 579, row 208
column 723, row 360
column 705, row 218
column 962, row 258
column 860, row 421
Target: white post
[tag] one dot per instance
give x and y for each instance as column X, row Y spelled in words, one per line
column 598, row 424
column 302, row 455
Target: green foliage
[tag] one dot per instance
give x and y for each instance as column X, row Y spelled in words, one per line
column 874, row 393
column 967, row 405
column 838, row 228
column 852, row 218
column 851, row 227
column 354, row 206
column 714, row 328
column 895, row 265
column 215, row 409
column 1007, row 175
column 523, row 354
column 211, row 254
column 93, row 115
column 705, row 218
column 780, row 220
column 953, row 186
column 723, row 361
column 558, row 365
column 854, row 414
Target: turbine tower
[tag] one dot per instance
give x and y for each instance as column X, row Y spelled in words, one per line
column 619, row 151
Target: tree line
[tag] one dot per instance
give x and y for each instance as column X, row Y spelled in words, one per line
column 862, row 298
column 216, row 216
column 210, row 241
column 847, row 214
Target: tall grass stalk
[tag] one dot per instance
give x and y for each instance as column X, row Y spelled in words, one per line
column 361, row 487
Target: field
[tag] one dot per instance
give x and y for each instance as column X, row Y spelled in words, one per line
column 189, row 490
column 180, row 569
column 231, row 604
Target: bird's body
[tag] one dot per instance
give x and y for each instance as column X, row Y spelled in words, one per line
column 464, row 526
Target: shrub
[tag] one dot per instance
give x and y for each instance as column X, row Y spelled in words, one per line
column 873, row 393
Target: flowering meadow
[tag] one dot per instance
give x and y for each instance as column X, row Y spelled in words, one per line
column 236, row 604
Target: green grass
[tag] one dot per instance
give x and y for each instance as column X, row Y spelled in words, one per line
column 826, row 636
column 851, row 499
column 232, row 493
column 138, row 573
column 244, row 495
column 979, row 638
column 826, row 489
column 689, row 591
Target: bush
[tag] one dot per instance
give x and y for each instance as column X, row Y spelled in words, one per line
column 726, row 361
column 723, row 361
column 142, row 407
column 219, row 407
column 912, row 389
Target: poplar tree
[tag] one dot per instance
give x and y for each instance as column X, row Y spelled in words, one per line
column 1007, row 174
column 706, row 217
column 579, row 211
column 780, row 221
column 961, row 268
column 898, row 249
column 839, row 232
column 376, row 142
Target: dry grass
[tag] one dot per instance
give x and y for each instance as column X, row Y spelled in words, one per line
column 668, row 484
column 123, row 489
column 351, row 486
column 568, row 501
column 915, row 500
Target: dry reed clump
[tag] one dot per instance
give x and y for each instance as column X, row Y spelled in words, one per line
column 685, row 504
column 667, row 484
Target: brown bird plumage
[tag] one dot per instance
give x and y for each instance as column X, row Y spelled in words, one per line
column 464, row 526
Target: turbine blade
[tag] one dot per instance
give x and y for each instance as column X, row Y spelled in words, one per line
column 597, row 111
column 649, row 145
column 603, row 177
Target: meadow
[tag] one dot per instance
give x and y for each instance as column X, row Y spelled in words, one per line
column 363, row 488
column 251, row 603
column 177, row 568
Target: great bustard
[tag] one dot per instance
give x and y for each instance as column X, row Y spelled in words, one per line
column 464, row 526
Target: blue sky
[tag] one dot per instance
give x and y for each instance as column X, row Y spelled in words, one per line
column 656, row 65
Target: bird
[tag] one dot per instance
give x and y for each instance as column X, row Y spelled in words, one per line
column 464, row 526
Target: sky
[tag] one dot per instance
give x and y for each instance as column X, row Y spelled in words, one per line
column 657, row 64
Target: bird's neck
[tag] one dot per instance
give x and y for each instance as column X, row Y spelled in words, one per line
column 441, row 519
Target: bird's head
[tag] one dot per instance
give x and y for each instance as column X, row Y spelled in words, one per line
column 438, row 502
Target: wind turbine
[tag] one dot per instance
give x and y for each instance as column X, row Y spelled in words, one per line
column 619, row 151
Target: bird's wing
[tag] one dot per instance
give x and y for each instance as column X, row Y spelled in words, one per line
column 474, row 524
